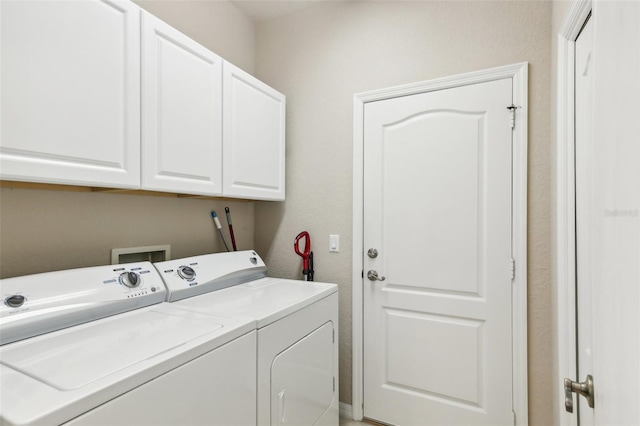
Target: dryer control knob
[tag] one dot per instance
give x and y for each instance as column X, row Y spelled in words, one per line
column 186, row 273
column 14, row 301
column 129, row 279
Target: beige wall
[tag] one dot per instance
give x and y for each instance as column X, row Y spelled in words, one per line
column 42, row 230
column 216, row 24
column 319, row 57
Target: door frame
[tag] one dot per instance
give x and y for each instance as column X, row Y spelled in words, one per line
column 566, row 203
column 519, row 73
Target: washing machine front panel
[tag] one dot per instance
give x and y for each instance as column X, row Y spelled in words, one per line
column 302, row 379
column 216, row 389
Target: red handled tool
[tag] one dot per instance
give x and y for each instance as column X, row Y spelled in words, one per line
column 306, row 254
column 233, row 237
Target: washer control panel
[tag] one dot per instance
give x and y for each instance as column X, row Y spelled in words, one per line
column 54, row 300
column 132, row 281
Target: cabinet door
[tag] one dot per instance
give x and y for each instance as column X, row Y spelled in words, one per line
column 182, row 112
column 70, row 92
column 254, row 137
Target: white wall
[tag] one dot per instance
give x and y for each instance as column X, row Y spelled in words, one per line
column 319, row 57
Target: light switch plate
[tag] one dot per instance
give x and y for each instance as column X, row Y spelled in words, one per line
column 334, row 243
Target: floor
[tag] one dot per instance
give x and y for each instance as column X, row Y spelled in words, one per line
column 349, row 422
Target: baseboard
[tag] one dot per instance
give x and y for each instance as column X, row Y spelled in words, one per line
column 346, row 410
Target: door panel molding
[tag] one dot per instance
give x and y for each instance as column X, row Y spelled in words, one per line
column 565, row 201
column 519, row 75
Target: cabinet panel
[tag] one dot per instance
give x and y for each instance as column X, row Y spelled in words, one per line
column 254, row 137
column 182, row 112
column 70, row 92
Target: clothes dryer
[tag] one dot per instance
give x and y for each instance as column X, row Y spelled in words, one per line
column 99, row 346
column 297, row 330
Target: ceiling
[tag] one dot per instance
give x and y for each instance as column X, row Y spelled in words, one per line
column 260, row 10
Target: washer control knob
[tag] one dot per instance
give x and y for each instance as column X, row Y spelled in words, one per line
column 15, row 301
column 129, row 279
column 186, row 273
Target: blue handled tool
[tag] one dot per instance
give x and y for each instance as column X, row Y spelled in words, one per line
column 214, row 215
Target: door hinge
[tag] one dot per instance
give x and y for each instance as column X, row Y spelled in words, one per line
column 362, row 273
column 334, row 383
column 514, row 418
column 512, row 110
column 333, row 336
column 512, row 269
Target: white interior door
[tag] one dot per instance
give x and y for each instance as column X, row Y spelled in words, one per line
column 616, row 233
column 608, row 214
column 437, row 208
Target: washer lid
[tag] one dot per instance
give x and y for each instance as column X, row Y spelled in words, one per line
column 80, row 355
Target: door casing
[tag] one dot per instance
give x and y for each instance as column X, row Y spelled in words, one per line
column 565, row 202
column 519, row 74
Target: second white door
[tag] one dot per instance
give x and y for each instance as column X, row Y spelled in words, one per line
column 437, row 209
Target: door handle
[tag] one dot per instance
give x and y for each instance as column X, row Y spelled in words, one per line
column 373, row 276
column 581, row 388
column 372, row 253
column 281, row 406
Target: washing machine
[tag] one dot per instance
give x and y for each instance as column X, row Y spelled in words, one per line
column 297, row 330
column 99, row 346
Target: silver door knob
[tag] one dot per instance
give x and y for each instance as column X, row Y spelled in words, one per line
column 373, row 275
column 581, row 388
column 372, row 253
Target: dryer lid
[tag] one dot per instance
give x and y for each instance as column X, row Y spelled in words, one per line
column 267, row 299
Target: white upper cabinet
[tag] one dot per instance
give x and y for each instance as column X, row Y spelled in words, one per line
column 181, row 112
column 70, row 108
column 254, row 137
column 100, row 93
